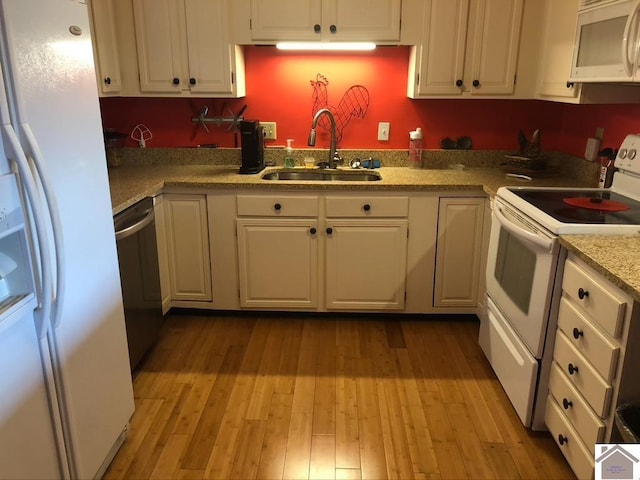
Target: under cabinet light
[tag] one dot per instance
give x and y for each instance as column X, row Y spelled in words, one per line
column 326, row 46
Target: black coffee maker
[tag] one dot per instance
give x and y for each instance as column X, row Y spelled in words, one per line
column 252, row 137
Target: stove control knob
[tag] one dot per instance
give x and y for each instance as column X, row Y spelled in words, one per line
column 632, row 154
column 622, row 153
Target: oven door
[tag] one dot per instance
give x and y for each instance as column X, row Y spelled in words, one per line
column 521, row 267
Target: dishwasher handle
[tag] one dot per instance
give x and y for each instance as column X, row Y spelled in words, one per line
column 134, row 227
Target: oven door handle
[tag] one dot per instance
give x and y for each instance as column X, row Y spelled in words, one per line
column 545, row 243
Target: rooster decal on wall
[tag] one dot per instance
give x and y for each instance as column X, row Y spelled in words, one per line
column 353, row 104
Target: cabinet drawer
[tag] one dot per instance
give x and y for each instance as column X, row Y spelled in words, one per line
column 585, row 378
column 580, row 459
column 575, row 408
column 366, row 206
column 601, row 300
column 277, row 205
column 602, row 353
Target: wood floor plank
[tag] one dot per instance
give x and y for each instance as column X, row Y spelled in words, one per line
column 475, row 462
column 440, row 359
column 347, row 433
column 469, row 388
column 501, row 461
column 348, row 474
column 415, row 422
column 289, row 355
column 373, row 459
column 396, row 445
column 324, row 402
column 298, row 456
column 274, row 446
column 225, row 449
column 203, row 439
column 322, row 461
column 249, row 447
column 450, row 461
column 170, row 459
column 260, row 403
column 159, row 432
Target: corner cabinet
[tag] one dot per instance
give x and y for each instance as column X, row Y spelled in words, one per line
column 459, row 252
column 187, row 242
column 184, row 48
column 467, row 49
column 325, row 20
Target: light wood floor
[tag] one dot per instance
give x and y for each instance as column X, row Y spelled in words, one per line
column 290, row 396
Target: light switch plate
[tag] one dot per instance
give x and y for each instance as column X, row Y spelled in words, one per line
column 383, row 131
column 269, row 129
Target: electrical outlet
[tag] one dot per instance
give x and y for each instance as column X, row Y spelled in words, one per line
column 269, row 129
column 383, row 131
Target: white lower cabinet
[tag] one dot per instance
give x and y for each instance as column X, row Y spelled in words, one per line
column 594, row 365
column 188, row 247
column 366, row 264
column 459, row 251
column 278, row 262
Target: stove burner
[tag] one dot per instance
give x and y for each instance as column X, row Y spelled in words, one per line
column 596, row 203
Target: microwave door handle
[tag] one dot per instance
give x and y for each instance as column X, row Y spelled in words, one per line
column 629, row 67
column 544, row 243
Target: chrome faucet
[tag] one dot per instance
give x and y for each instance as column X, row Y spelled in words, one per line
column 334, row 159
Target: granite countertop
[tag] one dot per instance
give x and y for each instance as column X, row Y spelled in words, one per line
column 132, row 183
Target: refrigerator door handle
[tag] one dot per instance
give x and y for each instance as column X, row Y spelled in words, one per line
column 43, row 311
column 54, row 215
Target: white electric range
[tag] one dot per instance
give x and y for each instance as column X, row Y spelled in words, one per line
column 524, row 270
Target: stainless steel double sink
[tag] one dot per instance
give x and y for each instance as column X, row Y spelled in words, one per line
column 323, row 175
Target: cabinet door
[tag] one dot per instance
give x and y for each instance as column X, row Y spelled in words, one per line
column 286, row 20
column 209, row 52
column 278, row 262
column 557, row 49
column 105, row 45
column 188, row 246
column 361, row 20
column 161, row 44
column 441, row 55
column 458, row 252
column 366, row 264
column 493, row 46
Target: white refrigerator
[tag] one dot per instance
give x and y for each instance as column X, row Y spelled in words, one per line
column 66, row 394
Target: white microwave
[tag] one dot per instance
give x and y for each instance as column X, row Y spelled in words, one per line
column 607, row 43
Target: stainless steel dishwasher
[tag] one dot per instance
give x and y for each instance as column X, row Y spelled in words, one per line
column 140, row 277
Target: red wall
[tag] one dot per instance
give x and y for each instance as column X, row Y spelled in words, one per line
column 279, row 89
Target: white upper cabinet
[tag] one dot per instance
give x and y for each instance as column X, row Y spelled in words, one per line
column 107, row 58
column 325, row 20
column 184, row 48
column 467, row 49
column 557, row 51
